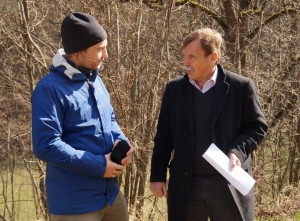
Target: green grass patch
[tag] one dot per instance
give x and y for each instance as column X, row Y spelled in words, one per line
column 17, row 198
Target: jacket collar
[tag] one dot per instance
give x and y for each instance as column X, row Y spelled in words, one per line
column 60, row 63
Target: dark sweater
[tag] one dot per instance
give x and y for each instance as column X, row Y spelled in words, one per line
column 203, row 130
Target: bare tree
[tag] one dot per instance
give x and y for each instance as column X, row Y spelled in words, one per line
column 145, row 37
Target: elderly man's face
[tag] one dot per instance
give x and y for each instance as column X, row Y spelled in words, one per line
column 197, row 65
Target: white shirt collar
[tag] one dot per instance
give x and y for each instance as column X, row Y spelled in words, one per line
column 208, row 84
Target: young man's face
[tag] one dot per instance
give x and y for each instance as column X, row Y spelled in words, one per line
column 93, row 56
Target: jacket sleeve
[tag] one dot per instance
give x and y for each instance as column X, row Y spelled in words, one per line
column 163, row 145
column 254, row 126
column 47, row 121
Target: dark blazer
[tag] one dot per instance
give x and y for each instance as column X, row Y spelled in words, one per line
column 238, row 126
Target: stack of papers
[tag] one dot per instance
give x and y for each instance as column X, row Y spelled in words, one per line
column 239, row 178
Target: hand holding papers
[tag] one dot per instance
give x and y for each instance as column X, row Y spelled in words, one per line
column 241, row 180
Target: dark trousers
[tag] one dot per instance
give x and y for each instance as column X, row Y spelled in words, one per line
column 211, row 198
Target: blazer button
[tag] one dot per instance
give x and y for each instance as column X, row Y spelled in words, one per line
column 186, row 173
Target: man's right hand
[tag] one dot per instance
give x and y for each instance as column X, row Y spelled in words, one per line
column 159, row 189
column 112, row 169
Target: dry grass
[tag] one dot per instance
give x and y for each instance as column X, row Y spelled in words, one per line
column 286, row 206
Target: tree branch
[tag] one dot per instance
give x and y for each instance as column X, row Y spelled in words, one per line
column 158, row 5
column 204, row 9
column 271, row 18
column 289, row 104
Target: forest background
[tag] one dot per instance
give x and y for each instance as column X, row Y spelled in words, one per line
column 145, row 52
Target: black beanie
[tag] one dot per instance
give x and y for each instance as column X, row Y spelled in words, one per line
column 80, row 31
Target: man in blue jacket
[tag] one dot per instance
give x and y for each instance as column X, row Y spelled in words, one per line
column 74, row 128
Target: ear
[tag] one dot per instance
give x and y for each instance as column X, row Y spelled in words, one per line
column 78, row 57
column 75, row 57
column 214, row 57
column 78, row 54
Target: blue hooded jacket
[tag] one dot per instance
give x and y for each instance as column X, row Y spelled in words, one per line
column 73, row 127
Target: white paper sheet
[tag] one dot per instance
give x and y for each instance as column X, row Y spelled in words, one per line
column 239, row 178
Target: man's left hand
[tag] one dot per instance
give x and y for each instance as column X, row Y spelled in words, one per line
column 128, row 159
column 234, row 161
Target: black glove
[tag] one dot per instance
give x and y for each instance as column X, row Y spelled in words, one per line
column 119, row 151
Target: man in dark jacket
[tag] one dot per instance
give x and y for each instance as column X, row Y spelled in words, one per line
column 207, row 105
column 74, row 128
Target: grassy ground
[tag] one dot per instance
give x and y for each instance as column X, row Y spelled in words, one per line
column 17, row 200
column 279, row 218
column 16, row 195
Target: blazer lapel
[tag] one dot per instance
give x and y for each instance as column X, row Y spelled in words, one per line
column 221, row 92
column 187, row 101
